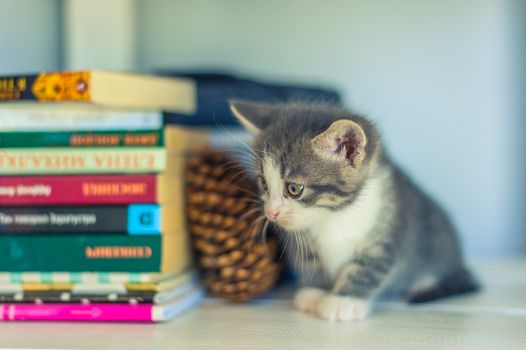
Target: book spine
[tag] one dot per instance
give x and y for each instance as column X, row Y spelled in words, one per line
column 34, row 287
column 47, row 87
column 102, row 287
column 162, row 313
column 70, row 119
column 117, row 138
column 103, row 278
column 135, row 219
column 78, row 189
column 102, row 160
column 59, row 297
column 76, row 312
column 81, row 253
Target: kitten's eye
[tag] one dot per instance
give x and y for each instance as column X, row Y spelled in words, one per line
column 294, row 190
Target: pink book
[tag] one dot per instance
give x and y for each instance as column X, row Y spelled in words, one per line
column 99, row 312
column 80, row 189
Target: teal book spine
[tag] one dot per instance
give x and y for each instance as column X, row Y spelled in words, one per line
column 81, row 253
column 103, row 138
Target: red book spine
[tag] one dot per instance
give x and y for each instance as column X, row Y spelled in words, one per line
column 73, row 189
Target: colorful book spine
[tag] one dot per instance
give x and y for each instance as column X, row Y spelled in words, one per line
column 104, row 278
column 54, row 86
column 101, row 160
column 78, row 253
column 69, row 118
column 99, row 312
column 66, row 297
column 117, row 138
column 102, row 87
column 81, row 189
column 134, row 219
column 98, row 296
column 96, row 287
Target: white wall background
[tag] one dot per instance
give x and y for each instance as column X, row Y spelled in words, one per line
column 518, row 21
column 442, row 77
column 438, row 75
column 520, row 34
column 29, row 35
column 99, row 34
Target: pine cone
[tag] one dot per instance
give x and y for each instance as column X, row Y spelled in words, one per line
column 224, row 219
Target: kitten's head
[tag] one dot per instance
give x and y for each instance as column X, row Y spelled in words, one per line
column 312, row 158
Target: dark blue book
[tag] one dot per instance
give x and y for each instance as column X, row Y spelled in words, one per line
column 214, row 90
column 135, row 219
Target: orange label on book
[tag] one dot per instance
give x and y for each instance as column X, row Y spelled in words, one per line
column 65, row 86
column 103, row 189
column 118, row 252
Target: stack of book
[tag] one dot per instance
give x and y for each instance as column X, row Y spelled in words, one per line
column 92, row 223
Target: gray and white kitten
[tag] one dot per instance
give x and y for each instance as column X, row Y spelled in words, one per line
column 363, row 229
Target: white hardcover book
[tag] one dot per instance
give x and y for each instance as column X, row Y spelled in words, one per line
column 74, row 116
column 165, row 312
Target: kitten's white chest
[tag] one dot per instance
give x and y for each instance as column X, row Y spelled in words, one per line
column 341, row 234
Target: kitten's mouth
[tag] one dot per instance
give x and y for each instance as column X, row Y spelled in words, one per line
column 279, row 221
column 284, row 223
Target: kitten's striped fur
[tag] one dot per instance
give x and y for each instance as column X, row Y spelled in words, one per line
column 361, row 229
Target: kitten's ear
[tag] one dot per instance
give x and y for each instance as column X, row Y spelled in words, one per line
column 254, row 116
column 344, row 140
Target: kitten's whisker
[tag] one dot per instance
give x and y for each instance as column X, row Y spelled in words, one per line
column 245, row 215
column 263, row 153
column 314, row 255
column 300, row 243
column 253, row 195
column 249, row 212
column 232, row 164
column 250, row 233
column 244, row 151
column 319, row 260
column 245, row 145
column 264, row 230
column 244, row 158
column 231, row 135
column 247, row 151
column 250, row 200
column 296, row 250
column 305, row 252
column 287, row 238
column 241, row 172
column 250, row 148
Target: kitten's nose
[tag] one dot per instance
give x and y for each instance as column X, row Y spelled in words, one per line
column 272, row 214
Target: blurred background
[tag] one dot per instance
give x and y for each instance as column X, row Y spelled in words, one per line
column 444, row 79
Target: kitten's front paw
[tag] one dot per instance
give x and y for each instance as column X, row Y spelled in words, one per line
column 307, row 299
column 340, row 308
